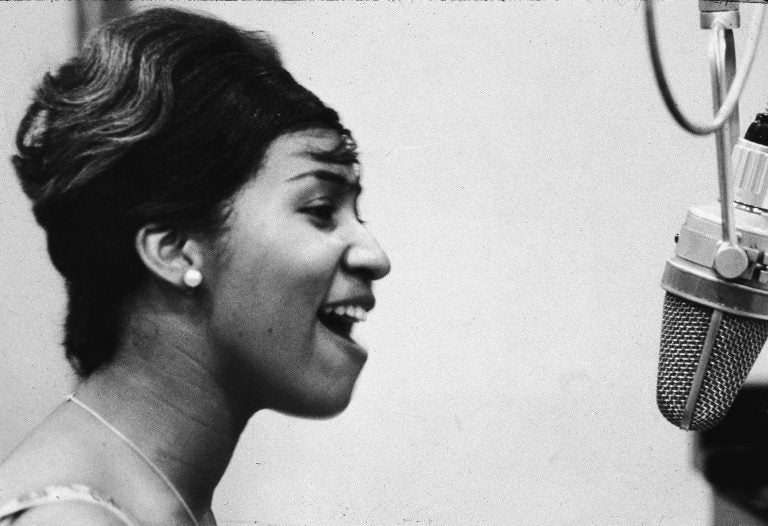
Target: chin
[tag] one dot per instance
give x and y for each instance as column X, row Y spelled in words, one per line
column 319, row 405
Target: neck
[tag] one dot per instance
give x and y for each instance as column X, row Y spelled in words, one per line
column 160, row 393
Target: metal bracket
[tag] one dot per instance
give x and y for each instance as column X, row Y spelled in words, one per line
column 731, row 260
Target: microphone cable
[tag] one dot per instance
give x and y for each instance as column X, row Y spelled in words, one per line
column 731, row 100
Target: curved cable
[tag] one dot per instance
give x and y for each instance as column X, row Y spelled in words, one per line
column 731, row 100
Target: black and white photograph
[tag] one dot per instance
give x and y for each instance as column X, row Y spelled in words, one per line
column 373, row 262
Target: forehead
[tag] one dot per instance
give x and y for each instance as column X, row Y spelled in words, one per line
column 297, row 152
column 312, row 140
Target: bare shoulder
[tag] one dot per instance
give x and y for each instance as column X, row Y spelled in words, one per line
column 69, row 513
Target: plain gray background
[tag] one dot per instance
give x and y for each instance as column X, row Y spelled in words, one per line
column 527, row 183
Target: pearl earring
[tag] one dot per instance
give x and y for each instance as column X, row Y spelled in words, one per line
column 192, row 278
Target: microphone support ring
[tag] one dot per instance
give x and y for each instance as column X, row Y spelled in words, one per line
column 703, row 286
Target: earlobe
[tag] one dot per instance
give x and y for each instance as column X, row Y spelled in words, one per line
column 170, row 255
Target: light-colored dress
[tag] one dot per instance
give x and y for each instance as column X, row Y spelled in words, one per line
column 11, row 511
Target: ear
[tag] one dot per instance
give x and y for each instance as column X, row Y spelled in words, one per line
column 168, row 252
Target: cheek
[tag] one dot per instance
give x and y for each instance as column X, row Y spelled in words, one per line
column 268, row 296
column 297, row 270
column 263, row 321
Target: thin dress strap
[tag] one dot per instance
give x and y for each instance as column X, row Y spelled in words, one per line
column 10, row 511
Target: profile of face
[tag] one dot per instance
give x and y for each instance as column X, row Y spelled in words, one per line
column 294, row 275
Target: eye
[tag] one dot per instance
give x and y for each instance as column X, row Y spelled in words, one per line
column 321, row 211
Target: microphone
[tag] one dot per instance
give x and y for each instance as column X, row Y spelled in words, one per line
column 715, row 319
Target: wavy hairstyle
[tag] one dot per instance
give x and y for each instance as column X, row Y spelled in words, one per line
column 161, row 118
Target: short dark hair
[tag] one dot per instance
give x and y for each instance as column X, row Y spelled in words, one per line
column 161, row 118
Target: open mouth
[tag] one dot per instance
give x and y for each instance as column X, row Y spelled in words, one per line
column 340, row 319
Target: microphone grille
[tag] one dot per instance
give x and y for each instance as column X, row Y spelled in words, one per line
column 683, row 331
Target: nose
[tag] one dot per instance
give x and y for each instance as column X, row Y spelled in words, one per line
column 365, row 256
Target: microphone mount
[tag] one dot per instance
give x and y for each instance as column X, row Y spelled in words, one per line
column 720, row 18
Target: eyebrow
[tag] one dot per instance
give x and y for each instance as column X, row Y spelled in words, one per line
column 331, row 177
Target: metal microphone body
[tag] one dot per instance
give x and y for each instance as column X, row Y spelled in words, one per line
column 716, row 308
column 715, row 320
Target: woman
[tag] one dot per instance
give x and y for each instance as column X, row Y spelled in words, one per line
column 202, row 208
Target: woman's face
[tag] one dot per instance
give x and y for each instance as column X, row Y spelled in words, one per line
column 295, row 275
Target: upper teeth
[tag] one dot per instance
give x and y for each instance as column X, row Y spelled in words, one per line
column 351, row 311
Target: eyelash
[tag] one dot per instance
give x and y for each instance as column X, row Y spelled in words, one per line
column 325, row 211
